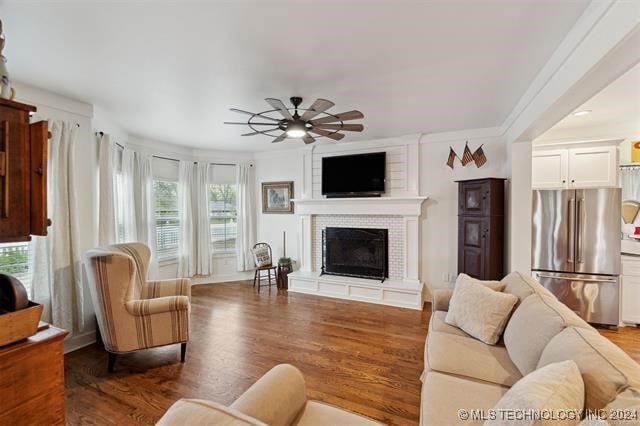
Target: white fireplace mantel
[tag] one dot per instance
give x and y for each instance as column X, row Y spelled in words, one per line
column 405, row 290
column 381, row 206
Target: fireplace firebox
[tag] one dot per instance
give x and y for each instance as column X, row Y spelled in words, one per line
column 355, row 252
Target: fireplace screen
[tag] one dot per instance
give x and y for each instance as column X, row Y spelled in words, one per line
column 355, row 252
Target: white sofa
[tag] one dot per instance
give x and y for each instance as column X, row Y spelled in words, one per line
column 462, row 373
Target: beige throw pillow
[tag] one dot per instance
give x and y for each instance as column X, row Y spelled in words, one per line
column 464, row 278
column 261, row 256
column 480, row 311
column 551, row 395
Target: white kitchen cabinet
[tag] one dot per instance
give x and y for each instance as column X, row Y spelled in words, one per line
column 550, row 169
column 630, row 290
column 593, row 167
column 579, row 167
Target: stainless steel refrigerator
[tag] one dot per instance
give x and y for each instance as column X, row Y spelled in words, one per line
column 575, row 249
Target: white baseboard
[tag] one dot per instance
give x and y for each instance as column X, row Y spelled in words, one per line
column 79, row 341
column 240, row 276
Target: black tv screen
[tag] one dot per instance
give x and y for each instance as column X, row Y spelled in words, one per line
column 349, row 175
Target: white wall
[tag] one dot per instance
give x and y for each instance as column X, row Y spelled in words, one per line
column 272, row 167
column 439, row 222
column 519, row 233
column 439, row 230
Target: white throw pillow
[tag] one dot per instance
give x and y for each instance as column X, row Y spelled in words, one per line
column 553, row 393
column 480, row 311
column 261, row 256
column 493, row 285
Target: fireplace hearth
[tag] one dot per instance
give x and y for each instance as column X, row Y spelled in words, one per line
column 355, row 252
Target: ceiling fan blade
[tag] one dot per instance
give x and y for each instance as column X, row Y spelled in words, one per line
column 308, row 139
column 260, row 132
column 253, row 113
column 330, row 135
column 277, row 104
column 253, row 124
column 349, row 127
column 280, row 138
column 320, row 105
column 343, row 116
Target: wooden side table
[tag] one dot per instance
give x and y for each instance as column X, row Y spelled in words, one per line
column 32, row 387
column 283, row 271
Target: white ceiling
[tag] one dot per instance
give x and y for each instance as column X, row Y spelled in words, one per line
column 170, row 70
column 615, row 109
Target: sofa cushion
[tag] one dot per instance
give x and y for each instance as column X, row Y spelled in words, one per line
column 198, row 412
column 556, row 388
column 606, row 369
column 480, row 311
column 464, row 281
column 533, row 324
column 522, row 286
column 319, row 414
column 450, row 350
column 626, row 406
column 444, row 396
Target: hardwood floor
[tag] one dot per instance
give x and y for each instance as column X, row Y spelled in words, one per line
column 363, row 357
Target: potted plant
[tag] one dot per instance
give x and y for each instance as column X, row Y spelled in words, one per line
column 284, row 261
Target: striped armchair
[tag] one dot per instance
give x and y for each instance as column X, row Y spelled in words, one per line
column 134, row 313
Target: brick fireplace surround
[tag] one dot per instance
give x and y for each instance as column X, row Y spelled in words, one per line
column 399, row 215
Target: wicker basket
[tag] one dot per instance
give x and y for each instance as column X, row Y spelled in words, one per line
column 19, row 324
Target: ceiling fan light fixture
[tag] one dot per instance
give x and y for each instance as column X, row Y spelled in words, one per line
column 306, row 124
column 296, row 129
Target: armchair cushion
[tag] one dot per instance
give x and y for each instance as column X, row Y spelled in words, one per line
column 158, row 305
column 277, row 398
column 175, row 287
column 198, row 412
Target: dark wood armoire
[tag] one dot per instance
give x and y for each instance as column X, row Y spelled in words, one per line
column 23, row 173
column 481, row 228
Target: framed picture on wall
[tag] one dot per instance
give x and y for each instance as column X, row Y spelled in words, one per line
column 276, row 197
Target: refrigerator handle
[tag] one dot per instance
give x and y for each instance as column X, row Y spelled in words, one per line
column 587, row 280
column 571, row 229
column 579, row 229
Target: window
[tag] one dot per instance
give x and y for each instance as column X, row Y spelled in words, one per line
column 223, row 217
column 15, row 259
column 167, row 218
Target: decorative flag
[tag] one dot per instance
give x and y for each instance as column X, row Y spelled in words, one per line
column 452, row 157
column 479, row 157
column 467, row 157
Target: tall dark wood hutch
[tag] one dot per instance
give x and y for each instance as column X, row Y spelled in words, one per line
column 23, row 173
column 481, row 228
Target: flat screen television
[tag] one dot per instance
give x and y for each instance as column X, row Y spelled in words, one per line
column 358, row 175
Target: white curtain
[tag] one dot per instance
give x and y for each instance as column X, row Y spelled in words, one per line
column 187, row 246
column 145, row 207
column 246, row 217
column 107, row 216
column 126, row 201
column 194, row 247
column 56, row 259
column 201, row 213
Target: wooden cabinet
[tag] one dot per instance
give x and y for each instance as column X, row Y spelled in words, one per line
column 32, row 385
column 579, row 167
column 481, row 228
column 630, row 290
column 23, row 173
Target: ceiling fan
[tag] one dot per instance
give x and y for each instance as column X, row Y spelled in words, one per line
column 297, row 126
